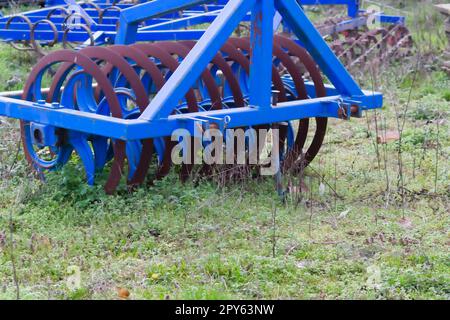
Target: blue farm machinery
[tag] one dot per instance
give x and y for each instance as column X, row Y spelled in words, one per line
column 357, row 36
column 138, row 72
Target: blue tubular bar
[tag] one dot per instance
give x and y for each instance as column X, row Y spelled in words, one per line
column 261, row 42
column 352, row 5
column 206, row 17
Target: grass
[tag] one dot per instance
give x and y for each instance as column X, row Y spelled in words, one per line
column 379, row 239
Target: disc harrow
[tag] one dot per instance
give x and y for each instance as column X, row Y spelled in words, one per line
column 123, row 90
column 115, row 108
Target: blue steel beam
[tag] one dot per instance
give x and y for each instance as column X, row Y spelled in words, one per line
column 261, row 40
column 139, row 129
column 389, row 19
column 107, row 37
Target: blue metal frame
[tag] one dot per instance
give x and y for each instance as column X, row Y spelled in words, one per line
column 157, row 120
column 106, row 28
column 20, row 30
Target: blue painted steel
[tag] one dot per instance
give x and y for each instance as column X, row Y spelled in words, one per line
column 261, row 42
column 389, row 19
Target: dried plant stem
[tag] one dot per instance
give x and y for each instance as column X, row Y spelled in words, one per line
column 274, row 230
column 12, row 253
column 436, row 168
column 386, row 171
column 311, row 212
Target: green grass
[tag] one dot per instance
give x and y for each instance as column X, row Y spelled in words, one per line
column 212, row 244
column 186, row 241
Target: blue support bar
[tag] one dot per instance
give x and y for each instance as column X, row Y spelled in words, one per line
column 261, row 58
column 127, row 31
column 318, row 48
